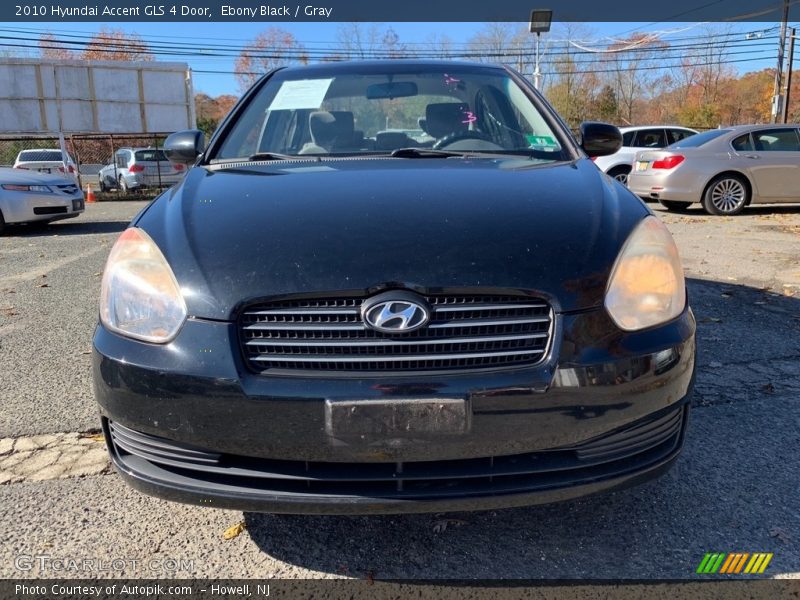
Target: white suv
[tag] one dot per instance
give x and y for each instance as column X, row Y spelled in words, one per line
column 647, row 137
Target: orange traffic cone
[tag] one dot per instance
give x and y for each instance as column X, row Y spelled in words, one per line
column 89, row 194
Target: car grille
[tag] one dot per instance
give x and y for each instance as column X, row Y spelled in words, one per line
column 49, row 210
column 627, row 450
column 465, row 332
column 68, row 189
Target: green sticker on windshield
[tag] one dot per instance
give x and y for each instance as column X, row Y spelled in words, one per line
column 542, row 142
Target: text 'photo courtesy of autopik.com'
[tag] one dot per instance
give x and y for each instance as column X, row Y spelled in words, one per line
column 452, row 299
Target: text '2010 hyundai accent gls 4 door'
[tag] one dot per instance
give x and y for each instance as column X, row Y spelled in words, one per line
column 328, row 315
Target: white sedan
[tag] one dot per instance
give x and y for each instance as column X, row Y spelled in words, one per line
column 28, row 196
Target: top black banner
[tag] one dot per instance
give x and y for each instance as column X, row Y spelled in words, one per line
column 275, row 11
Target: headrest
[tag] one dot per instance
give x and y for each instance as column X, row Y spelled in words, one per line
column 445, row 118
column 328, row 128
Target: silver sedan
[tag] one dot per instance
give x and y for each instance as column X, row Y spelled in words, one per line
column 27, row 197
column 723, row 169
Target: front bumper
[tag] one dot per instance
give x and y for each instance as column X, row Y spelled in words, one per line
column 186, row 421
column 26, row 207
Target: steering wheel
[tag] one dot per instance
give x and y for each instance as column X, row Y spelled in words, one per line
column 452, row 138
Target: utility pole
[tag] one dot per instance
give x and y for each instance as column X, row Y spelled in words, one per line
column 776, row 97
column 541, row 19
column 788, row 94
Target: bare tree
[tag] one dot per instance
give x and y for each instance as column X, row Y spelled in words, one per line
column 272, row 48
column 357, row 40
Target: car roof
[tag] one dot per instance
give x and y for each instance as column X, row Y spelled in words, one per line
column 640, row 127
column 40, row 150
column 388, row 64
column 137, row 149
column 743, row 128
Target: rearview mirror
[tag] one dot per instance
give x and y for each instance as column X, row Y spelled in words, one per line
column 399, row 89
column 600, row 139
column 183, row 147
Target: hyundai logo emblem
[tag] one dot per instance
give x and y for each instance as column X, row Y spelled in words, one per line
column 395, row 312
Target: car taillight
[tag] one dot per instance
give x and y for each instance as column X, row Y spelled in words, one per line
column 136, row 169
column 71, row 169
column 669, row 162
column 178, row 167
column 61, row 169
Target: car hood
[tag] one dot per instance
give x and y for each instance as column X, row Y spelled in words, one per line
column 236, row 234
column 25, row 177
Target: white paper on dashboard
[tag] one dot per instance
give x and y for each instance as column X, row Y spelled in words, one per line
column 307, row 93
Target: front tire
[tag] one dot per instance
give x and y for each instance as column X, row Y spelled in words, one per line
column 726, row 195
column 620, row 174
column 674, row 206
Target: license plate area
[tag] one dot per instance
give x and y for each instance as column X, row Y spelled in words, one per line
column 397, row 417
column 641, row 165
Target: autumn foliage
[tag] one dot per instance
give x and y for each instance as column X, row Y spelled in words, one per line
column 274, row 47
column 106, row 44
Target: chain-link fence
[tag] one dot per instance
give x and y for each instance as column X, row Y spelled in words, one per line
column 117, row 164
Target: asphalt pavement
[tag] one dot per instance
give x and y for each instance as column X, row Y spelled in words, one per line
column 734, row 488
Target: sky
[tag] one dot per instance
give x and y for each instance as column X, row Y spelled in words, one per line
column 324, row 34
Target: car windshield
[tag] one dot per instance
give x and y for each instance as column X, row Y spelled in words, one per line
column 372, row 110
column 150, row 155
column 699, row 139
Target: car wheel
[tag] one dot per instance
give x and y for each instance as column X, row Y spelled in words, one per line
column 102, row 185
column 123, row 187
column 673, row 206
column 726, row 195
column 620, row 174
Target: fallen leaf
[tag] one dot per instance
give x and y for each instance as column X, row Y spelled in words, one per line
column 43, row 285
column 442, row 524
column 86, row 352
column 97, row 437
column 781, row 534
column 234, row 531
column 371, row 577
column 768, row 388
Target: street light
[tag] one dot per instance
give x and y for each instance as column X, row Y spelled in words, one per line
column 541, row 18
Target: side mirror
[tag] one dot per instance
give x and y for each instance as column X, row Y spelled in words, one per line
column 183, row 147
column 600, row 139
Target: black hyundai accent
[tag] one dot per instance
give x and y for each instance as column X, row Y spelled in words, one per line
column 394, row 286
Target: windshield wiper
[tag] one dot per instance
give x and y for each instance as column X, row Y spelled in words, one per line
column 270, row 156
column 425, row 153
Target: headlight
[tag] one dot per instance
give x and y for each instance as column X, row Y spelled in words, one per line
column 647, row 285
column 42, row 189
column 139, row 297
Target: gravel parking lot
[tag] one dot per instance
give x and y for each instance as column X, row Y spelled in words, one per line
column 735, row 488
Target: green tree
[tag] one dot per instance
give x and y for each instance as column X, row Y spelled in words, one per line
column 606, row 107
